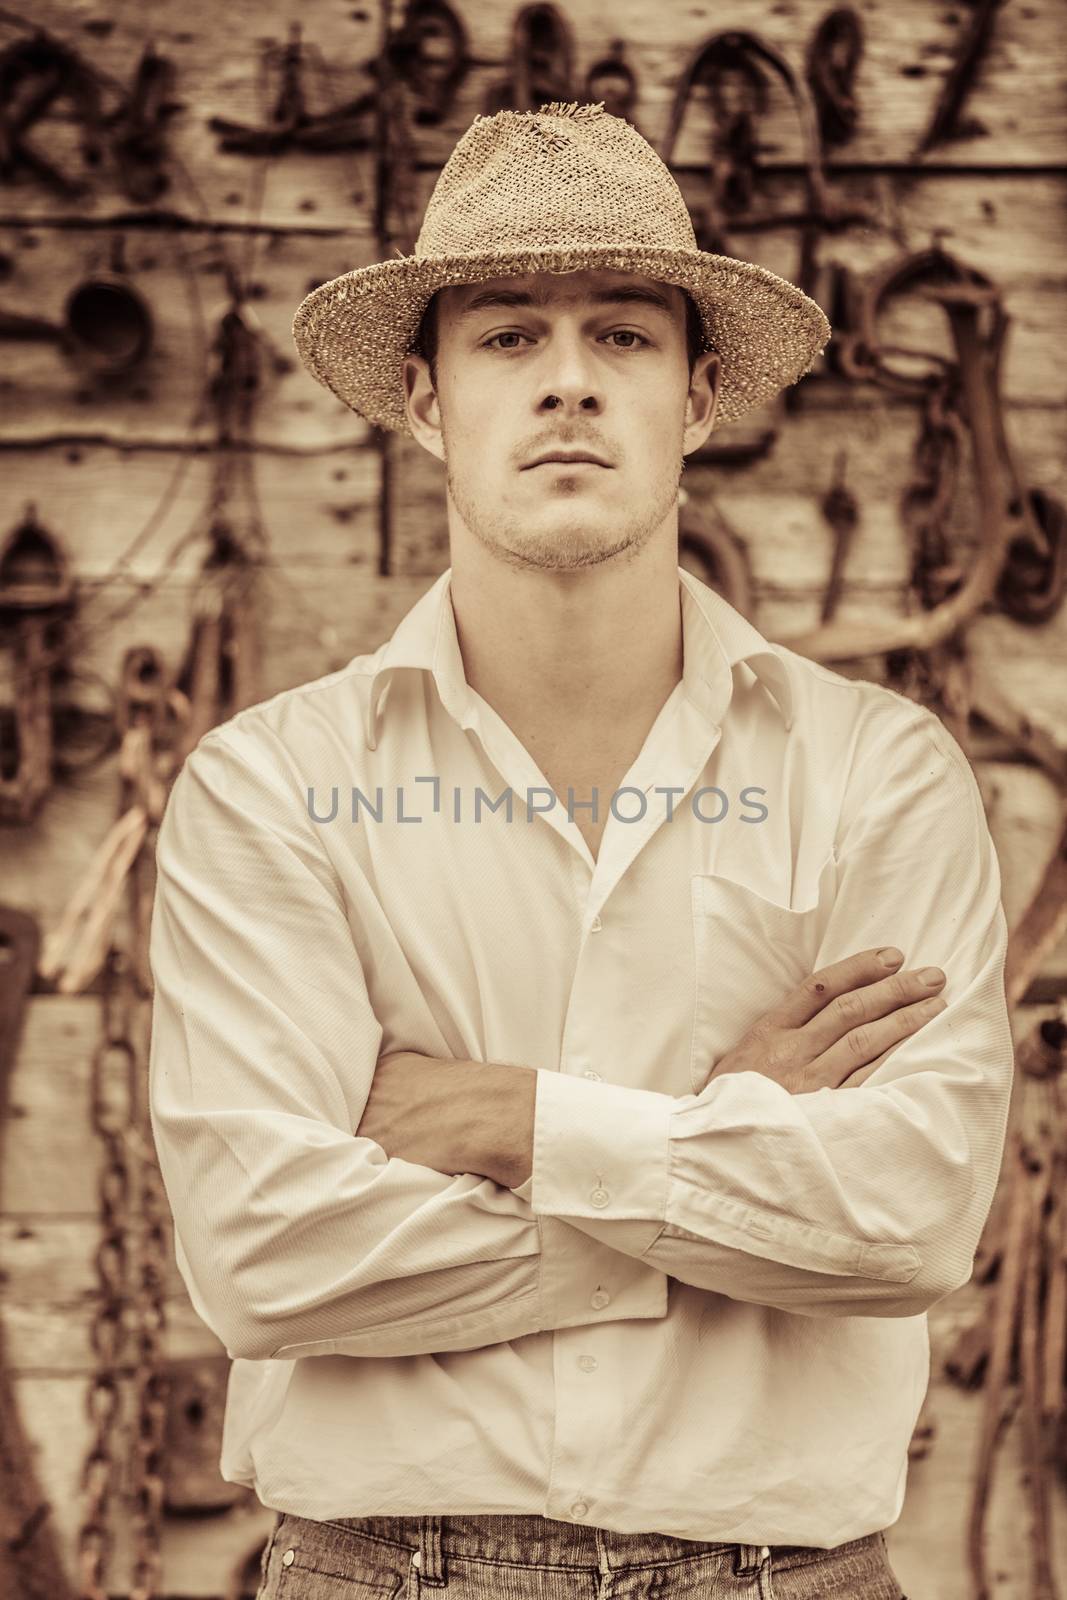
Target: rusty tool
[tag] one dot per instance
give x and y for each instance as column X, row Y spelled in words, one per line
column 37, row 72
column 841, row 510
column 611, row 82
column 1015, row 1348
column 136, row 128
column 1033, row 582
column 540, row 62
column 720, row 550
column 37, row 600
column 430, row 52
column 151, row 723
column 839, row 298
column 862, row 355
column 107, row 326
column 833, row 57
column 221, row 669
column 291, row 124
column 732, row 68
column 969, row 385
column 945, row 121
column 927, row 500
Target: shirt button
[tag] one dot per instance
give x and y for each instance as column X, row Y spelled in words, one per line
column 416, row 1560
column 592, row 1074
column 288, row 1558
column 579, row 1508
column 600, row 1300
column 600, row 1197
column 764, row 1553
column 596, row 925
column 587, row 1363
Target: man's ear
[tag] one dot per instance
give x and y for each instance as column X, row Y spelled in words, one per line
column 703, row 400
column 423, row 409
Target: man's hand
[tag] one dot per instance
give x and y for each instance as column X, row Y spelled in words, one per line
column 830, row 1031
column 453, row 1116
column 478, row 1116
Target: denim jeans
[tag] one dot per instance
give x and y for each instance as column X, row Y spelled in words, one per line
column 491, row 1557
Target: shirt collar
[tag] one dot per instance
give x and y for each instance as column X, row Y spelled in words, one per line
column 717, row 639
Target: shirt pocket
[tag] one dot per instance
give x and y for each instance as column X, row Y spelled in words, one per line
column 749, row 952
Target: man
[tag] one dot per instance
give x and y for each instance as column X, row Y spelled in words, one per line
column 506, row 978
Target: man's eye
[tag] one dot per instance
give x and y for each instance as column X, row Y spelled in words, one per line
column 627, row 333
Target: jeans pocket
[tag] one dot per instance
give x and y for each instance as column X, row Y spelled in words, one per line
column 321, row 1561
column 858, row 1570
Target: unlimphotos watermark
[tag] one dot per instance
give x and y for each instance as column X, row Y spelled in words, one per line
column 634, row 811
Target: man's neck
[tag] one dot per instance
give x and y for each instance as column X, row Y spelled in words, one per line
column 585, row 657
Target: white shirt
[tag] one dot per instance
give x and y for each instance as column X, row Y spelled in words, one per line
column 704, row 1313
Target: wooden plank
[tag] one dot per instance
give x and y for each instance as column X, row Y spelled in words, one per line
column 1019, row 99
column 773, row 506
column 1013, row 228
column 54, row 1409
column 317, row 511
column 47, row 1339
column 982, row 218
column 166, row 400
column 147, row 509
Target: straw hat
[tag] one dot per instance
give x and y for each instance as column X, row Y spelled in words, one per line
column 566, row 188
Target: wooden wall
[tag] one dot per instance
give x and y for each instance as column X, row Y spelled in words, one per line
column 356, row 534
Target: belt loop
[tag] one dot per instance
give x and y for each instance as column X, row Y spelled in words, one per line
column 749, row 1558
column 431, row 1559
column 603, row 1556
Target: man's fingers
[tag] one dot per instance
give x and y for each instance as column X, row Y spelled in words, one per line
column 862, row 1045
column 850, row 1011
column 809, row 998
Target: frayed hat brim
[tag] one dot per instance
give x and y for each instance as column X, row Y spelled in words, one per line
column 353, row 332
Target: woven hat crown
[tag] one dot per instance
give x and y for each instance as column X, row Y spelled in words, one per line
column 566, row 188
column 568, row 174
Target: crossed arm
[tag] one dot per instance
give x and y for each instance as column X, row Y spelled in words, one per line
column 454, row 1116
column 296, row 1238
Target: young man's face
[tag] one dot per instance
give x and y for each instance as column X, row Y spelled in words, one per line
column 575, row 371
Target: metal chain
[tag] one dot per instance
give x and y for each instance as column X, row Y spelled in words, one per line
column 147, row 729
column 151, row 1382
column 130, row 1318
column 111, row 1108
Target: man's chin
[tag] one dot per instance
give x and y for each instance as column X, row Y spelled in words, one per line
column 570, row 547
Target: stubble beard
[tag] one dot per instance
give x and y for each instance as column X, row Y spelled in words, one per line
column 569, row 541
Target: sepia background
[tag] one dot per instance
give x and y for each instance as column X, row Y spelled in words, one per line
column 189, row 524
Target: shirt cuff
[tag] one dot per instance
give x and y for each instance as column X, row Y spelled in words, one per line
column 601, row 1154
